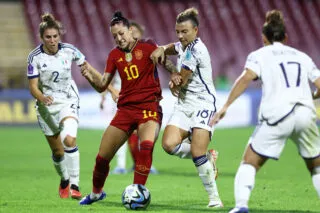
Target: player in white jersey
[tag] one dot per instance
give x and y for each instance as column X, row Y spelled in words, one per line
column 286, row 110
column 196, row 102
column 57, row 101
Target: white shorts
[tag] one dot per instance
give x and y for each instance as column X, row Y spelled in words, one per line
column 189, row 119
column 300, row 126
column 49, row 117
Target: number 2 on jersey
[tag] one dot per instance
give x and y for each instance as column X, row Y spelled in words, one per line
column 132, row 72
column 291, row 63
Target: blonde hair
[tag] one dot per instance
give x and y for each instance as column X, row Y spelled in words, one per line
column 189, row 14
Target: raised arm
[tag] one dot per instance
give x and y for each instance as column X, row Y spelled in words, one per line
column 99, row 82
column 240, row 85
column 159, row 54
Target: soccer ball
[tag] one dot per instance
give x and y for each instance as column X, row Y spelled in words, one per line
column 136, row 197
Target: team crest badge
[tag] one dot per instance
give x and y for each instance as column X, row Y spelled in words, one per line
column 128, row 57
column 138, row 54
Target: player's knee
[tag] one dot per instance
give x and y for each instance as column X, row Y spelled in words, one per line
column 167, row 147
column 69, row 132
column 58, row 153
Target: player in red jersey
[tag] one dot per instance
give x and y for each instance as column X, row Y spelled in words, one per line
column 138, row 104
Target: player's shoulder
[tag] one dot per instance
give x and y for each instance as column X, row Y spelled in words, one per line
column 197, row 47
column 67, row 47
column 34, row 53
column 147, row 41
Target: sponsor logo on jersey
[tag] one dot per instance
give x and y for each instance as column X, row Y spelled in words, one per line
column 30, row 69
column 138, row 54
column 44, row 65
column 120, row 60
column 202, row 122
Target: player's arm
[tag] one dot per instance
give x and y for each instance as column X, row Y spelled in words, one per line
column 316, row 93
column 240, row 85
column 99, row 82
column 37, row 94
column 159, row 54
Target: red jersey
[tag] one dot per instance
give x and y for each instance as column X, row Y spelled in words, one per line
column 139, row 76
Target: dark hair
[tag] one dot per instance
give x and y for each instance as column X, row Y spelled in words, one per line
column 48, row 21
column 138, row 26
column 274, row 28
column 118, row 18
column 189, row 14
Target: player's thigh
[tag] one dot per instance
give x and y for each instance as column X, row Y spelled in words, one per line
column 200, row 141
column 306, row 133
column 173, row 136
column 48, row 120
column 55, row 144
column 269, row 141
column 148, row 131
column 112, row 139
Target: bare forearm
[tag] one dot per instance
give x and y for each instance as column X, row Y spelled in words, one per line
column 170, row 67
column 169, row 49
column 238, row 88
column 95, row 79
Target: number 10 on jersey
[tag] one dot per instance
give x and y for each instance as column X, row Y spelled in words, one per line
column 132, row 72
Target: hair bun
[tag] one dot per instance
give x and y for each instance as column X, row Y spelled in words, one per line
column 47, row 17
column 274, row 16
column 117, row 14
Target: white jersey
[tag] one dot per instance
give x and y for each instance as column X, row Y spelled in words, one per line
column 285, row 73
column 200, row 90
column 54, row 71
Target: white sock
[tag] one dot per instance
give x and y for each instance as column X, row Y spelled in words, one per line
column 72, row 156
column 207, row 175
column 243, row 184
column 61, row 167
column 121, row 156
column 316, row 182
column 182, row 150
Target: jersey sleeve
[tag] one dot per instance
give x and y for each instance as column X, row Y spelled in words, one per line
column 252, row 63
column 314, row 72
column 32, row 69
column 190, row 60
column 110, row 64
column 78, row 57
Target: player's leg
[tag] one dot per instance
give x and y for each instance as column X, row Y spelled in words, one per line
column 266, row 142
column 112, row 139
column 306, row 136
column 68, row 134
column 199, row 146
column 121, row 160
column 133, row 142
column 59, row 163
column 175, row 137
column 148, row 134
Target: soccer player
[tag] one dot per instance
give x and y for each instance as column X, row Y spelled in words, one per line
column 57, row 101
column 137, row 31
column 286, row 110
column 138, row 104
column 196, row 101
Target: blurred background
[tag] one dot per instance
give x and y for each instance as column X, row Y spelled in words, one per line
column 231, row 29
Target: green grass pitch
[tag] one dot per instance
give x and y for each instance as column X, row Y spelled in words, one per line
column 28, row 182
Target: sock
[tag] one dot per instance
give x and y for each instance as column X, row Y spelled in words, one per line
column 316, row 179
column 243, row 184
column 182, row 150
column 133, row 142
column 100, row 173
column 73, row 164
column 61, row 167
column 207, row 175
column 121, row 156
column 143, row 162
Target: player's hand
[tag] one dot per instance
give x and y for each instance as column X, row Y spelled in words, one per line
column 115, row 96
column 85, row 69
column 175, row 78
column 102, row 102
column 218, row 116
column 157, row 55
column 174, row 89
column 46, row 100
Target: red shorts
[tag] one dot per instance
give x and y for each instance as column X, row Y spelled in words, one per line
column 128, row 118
